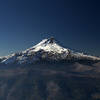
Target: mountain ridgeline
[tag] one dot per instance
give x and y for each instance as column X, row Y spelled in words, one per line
column 47, row 49
column 47, row 71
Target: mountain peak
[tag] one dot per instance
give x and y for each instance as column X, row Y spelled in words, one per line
column 51, row 40
column 49, row 45
column 48, row 49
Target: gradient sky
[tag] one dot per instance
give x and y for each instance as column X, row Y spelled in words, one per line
column 75, row 23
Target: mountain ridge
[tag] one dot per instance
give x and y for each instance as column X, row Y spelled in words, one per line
column 46, row 49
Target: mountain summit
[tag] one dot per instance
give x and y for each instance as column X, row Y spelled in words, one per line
column 47, row 49
column 48, row 45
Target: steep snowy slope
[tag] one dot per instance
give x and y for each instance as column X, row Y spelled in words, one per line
column 48, row 45
column 47, row 49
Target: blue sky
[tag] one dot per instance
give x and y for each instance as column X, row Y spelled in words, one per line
column 76, row 23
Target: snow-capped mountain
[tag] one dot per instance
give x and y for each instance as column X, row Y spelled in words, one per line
column 47, row 49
